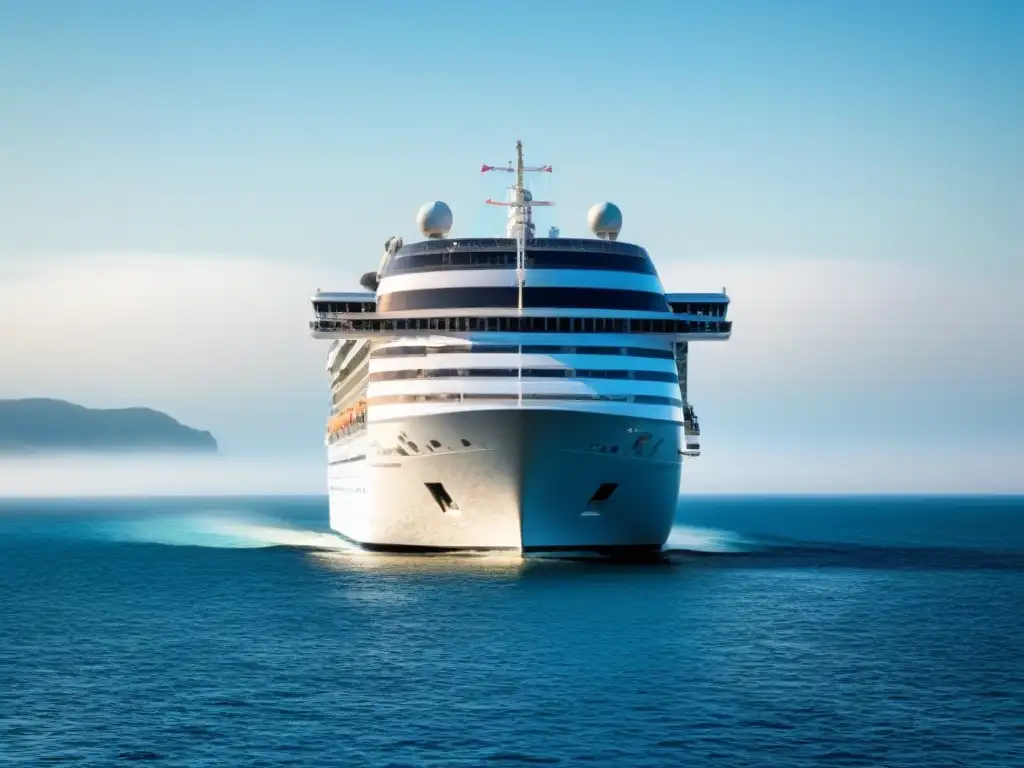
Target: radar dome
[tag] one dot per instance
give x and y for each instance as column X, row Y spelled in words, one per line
column 605, row 220
column 435, row 219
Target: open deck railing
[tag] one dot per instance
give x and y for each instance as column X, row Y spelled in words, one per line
column 397, row 326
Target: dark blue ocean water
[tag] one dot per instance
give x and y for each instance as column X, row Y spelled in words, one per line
column 806, row 632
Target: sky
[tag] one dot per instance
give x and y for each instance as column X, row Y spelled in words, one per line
column 177, row 178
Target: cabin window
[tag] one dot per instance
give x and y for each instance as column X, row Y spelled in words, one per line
column 578, row 254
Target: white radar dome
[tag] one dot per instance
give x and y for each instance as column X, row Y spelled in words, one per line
column 605, row 220
column 435, row 219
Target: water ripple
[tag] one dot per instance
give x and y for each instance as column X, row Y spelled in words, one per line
column 785, row 651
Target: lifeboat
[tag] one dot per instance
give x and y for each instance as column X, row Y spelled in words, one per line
column 354, row 414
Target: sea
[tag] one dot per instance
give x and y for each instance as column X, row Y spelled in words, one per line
column 777, row 632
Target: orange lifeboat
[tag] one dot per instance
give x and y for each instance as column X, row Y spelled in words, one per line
column 354, row 414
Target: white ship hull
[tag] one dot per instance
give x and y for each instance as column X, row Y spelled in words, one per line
column 523, row 479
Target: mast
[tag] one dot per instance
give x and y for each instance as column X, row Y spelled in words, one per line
column 520, row 198
column 519, row 225
column 520, row 210
column 520, row 180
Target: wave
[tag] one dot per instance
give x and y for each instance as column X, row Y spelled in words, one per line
column 719, row 547
column 297, row 526
column 226, row 529
column 830, row 555
column 222, row 529
column 688, row 538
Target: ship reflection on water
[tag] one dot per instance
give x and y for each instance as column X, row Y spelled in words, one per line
column 502, row 564
column 508, row 563
column 685, row 545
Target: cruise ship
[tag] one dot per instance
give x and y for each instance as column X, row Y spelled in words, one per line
column 516, row 393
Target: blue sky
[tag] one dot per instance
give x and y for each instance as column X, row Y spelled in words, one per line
column 851, row 171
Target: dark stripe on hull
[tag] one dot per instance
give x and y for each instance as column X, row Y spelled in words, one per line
column 409, row 350
column 456, row 397
column 526, row 373
column 504, row 297
column 500, row 253
column 464, row 260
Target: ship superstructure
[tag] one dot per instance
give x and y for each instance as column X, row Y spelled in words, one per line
column 514, row 393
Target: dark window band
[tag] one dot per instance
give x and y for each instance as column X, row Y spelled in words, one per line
column 505, row 297
column 528, row 373
column 537, row 243
column 457, row 397
column 528, row 349
column 458, row 258
column 347, row 307
column 411, row 351
column 520, row 324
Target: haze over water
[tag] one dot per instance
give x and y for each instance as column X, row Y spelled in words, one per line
column 722, row 469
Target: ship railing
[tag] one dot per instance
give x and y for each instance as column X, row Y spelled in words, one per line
column 380, row 326
column 339, row 435
column 696, row 309
column 356, row 425
column 329, row 310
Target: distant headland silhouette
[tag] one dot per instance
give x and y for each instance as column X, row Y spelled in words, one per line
column 41, row 425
